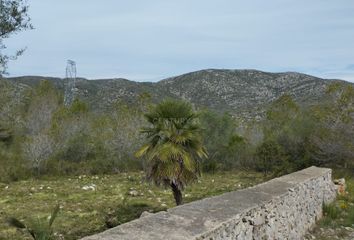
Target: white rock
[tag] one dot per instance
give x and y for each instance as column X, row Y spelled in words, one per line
column 89, row 187
column 133, row 193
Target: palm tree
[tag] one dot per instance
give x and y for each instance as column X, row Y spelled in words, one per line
column 174, row 148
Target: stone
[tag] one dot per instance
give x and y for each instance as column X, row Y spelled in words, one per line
column 91, row 187
column 133, row 193
column 341, row 186
column 146, row 214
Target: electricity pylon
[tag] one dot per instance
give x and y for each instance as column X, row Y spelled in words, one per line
column 70, row 87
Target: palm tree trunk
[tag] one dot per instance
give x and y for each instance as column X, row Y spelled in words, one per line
column 177, row 194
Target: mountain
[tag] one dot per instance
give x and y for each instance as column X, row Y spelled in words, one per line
column 243, row 93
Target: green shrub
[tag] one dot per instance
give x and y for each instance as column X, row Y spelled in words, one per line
column 12, row 165
column 269, row 155
column 210, row 166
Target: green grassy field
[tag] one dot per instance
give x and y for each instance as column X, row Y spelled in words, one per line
column 106, row 202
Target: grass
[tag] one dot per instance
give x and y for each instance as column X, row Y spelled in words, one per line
column 331, row 211
column 105, row 203
column 339, row 214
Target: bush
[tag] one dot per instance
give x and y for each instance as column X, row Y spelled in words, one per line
column 210, row 166
column 12, row 165
column 269, row 155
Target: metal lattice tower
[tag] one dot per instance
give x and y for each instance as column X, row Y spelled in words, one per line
column 69, row 94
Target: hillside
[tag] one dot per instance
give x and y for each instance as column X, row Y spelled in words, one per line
column 243, row 93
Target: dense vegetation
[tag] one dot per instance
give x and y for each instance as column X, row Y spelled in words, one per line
column 40, row 136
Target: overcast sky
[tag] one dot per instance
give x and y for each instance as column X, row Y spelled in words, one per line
column 155, row 39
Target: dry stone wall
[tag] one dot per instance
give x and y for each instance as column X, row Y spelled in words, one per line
column 283, row 208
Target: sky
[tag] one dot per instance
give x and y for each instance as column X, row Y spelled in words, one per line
column 151, row 40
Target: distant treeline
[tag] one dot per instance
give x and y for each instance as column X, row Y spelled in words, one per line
column 40, row 136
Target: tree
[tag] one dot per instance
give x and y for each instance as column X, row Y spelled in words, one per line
column 174, row 147
column 118, row 131
column 269, row 155
column 13, row 19
column 290, row 128
column 279, row 115
column 237, row 153
column 38, row 149
column 333, row 142
column 38, row 144
column 217, row 129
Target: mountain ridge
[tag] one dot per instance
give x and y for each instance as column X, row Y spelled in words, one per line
column 245, row 93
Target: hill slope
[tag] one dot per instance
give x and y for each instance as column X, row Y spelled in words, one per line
column 243, row 93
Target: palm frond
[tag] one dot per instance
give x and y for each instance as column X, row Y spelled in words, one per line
column 168, row 152
column 174, row 147
column 189, row 162
column 142, row 151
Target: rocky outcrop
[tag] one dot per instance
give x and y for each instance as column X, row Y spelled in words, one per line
column 283, row 208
